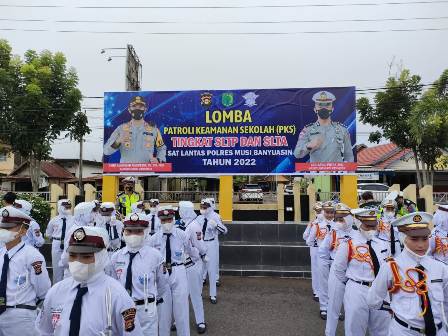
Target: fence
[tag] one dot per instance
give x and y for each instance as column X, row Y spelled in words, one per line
column 440, row 197
column 255, row 197
column 177, row 196
column 328, row 196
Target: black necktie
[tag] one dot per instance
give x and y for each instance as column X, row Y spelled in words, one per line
column 430, row 325
column 376, row 264
column 392, row 239
column 153, row 219
column 3, row 283
column 204, row 227
column 128, row 284
column 75, row 314
column 168, row 252
column 64, row 226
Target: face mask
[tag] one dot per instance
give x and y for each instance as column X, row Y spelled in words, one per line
column 417, row 257
column 166, row 227
column 152, row 210
column 369, row 235
column 134, row 241
column 323, row 113
column 202, row 211
column 66, row 212
column 138, row 210
column 7, row 236
column 129, row 188
column 81, row 272
column 137, row 114
column 389, row 215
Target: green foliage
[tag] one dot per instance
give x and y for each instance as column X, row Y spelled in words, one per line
column 41, row 209
column 39, row 99
column 79, row 126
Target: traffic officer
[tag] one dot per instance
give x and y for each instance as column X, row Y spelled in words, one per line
column 56, row 231
column 113, row 226
column 404, row 206
column 317, row 234
column 416, row 283
column 324, row 140
column 154, row 220
column 173, row 244
column 340, row 232
column 357, row 263
column 211, row 225
column 386, row 231
column 128, row 197
column 137, row 140
column 139, row 268
column 313, row 250
column 24, row 278
column 89, row 302
column 193, row 263
column 33, row 236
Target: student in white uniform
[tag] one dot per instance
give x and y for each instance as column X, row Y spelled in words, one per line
column 33, row 236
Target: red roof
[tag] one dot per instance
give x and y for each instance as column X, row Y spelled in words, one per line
column 51, row 169
column 380, row 156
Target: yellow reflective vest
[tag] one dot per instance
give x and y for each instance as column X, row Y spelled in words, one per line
column 125, row 202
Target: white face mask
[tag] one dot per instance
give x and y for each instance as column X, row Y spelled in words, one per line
column 134, row 241
column 81, row 272
column 66, row 212
column 7, row 236
column 389, row 215
column 369, row 235
column 202, row 211
column 342, row 226
column 152, row 210
column 417, row 257
column 167, row 227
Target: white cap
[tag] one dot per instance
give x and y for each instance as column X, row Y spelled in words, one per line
column 88, row 239
column 323, row 97
column 414, row 224
column 389, row 203
column 186, row 204
column 129, row 179
column 11, row 217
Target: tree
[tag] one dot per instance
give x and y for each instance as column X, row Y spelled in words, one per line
column 79, row 128
column 411, row 120
column 38, row 99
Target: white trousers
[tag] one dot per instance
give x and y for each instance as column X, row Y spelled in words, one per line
column 175, row 303
column 336, row 290
column 194, row 275
column 148, row 319
column 359, row 317
column 324, row 271
column 16, row 321
column 314, row 272
column 396, row 329
column 211, row 265
column 56, row 253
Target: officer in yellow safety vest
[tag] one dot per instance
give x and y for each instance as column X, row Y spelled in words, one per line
column 128, row 197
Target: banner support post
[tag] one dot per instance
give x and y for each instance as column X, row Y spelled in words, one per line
column 349, row 190
column 226, row 198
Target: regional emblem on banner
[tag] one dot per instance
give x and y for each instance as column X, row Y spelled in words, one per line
column 250, row 99
column 227, row 99
column 206, row 99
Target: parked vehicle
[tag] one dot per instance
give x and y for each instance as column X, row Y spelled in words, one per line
column 289, row 189
column 379, row 190
column 251, row 192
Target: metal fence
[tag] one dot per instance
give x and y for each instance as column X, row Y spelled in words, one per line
column 46, row 195
column 177, row 196
column 328, row 196
column 440, row 197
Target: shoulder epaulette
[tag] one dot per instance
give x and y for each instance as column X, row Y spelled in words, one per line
column 120, row 194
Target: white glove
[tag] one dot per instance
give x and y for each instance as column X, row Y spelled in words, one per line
column 206, row 259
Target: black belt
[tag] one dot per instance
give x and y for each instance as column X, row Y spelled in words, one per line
column 23, row 306
column 189, row 262
column 421, row 331
column 364, row 283
column 142, row 302
column 209, row 239
column 159, row 301
column 56, row 238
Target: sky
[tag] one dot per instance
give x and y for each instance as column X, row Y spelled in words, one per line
column 297, row 44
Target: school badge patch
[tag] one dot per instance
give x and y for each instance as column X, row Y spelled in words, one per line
column 55, row 317
column 37, row 265
column 129, row 319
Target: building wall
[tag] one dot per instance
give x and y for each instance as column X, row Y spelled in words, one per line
column 6, row 163
column 88, row 169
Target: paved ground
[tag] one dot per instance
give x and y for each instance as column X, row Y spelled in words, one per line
column 263, row 306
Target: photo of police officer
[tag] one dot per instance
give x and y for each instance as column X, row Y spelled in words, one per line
column 137, row 140
column 324, row 140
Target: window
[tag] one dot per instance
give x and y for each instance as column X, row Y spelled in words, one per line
column 3, row 157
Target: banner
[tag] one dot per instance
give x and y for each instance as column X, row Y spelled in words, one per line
column 230, row 132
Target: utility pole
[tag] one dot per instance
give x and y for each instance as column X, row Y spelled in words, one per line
column 81, row 188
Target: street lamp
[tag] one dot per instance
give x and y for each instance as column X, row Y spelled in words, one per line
column 111, row 57
column 104, row 49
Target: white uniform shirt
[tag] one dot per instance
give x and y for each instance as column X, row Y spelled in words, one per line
column 318, row 232
column 407, row 306
column 327, row 250
column 307, row 231
column 214, row 226
column 438, row 244
column 358, row 266
column 193, row 230
column 28, row 278
column 54, row 227
column 179, row 245
column 154, row 223
column 114, row 229
column 147, row 264
column 54, row 318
